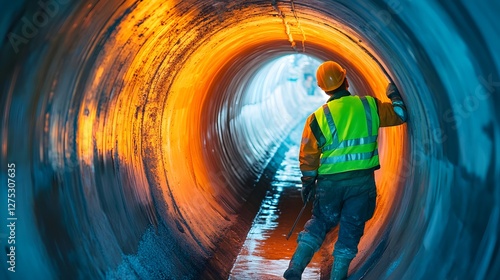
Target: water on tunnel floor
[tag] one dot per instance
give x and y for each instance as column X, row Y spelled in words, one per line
column 265, row 254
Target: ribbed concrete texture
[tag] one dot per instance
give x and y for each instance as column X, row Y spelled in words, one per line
column 159, row 139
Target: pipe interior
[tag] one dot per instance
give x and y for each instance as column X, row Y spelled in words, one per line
column 140, row 128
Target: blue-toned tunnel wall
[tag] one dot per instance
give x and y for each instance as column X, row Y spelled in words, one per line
column 136, row 140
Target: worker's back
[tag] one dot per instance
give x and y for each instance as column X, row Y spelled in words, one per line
column 350, row 126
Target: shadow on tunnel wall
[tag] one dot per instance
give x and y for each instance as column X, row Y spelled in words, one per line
column 132, row 144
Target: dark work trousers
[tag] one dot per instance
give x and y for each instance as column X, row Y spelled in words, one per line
column 350, row 202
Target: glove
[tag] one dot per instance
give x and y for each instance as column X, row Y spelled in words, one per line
column 397, row 102
column 308, row 187
column 393, row 93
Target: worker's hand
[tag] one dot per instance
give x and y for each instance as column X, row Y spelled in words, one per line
column 308, row 187
column 393, row 93
column 397, row 102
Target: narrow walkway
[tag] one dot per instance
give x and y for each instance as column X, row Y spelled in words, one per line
column 266, row 253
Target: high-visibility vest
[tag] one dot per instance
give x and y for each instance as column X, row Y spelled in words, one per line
column 350, row 125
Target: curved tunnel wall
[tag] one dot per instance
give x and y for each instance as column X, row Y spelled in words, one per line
column 136, row 140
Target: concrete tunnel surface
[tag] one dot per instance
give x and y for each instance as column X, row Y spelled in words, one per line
column 141, row 137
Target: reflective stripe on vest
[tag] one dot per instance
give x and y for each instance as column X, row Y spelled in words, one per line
column 350, row 125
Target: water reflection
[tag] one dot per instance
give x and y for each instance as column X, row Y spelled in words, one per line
column 266, row 252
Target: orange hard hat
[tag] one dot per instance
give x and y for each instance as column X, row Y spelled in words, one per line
column 330, row 75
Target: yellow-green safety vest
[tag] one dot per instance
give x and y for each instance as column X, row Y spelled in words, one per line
column 350, row 125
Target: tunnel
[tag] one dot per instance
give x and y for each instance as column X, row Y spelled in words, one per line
column 139, row 138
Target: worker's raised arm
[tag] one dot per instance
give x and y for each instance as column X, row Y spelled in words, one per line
column 393, row 113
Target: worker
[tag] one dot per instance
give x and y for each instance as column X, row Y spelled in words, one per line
column 338, row 157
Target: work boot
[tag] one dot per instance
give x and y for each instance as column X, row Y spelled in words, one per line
column 340, row 268
column 299, row 261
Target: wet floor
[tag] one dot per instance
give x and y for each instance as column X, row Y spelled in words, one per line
column 266, row 253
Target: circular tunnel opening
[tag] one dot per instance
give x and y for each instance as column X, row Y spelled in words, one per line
column 136, row 129
column 236, row 117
